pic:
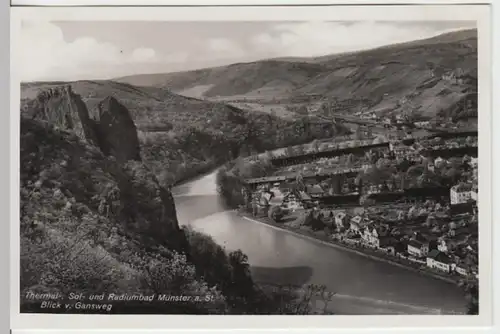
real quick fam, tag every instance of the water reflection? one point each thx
(363, 286)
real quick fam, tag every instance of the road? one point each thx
(363, 286)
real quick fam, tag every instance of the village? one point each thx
(412, 201)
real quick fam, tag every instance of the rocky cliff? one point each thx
(95, 161)
(63, 109)
(110, 128)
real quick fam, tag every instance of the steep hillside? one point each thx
(179, 136)
(393, 78)
(236, 79)
(95, 220)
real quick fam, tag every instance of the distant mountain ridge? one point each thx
(388, 76)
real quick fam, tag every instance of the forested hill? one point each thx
(180, 136)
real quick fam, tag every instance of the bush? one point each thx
(276, 213)
(229, 273)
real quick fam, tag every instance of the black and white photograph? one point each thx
(246, 167)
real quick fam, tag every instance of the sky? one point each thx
(78, 50)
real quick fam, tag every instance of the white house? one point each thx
(422, 124)
(340, 219)
(438, 162)
(370, 237)
(473, 193)
(438, 260)
(417, 248)
(473, 162)
(460, 269)
(355, 224)
(442, 245)
(460, 193)
(292, 202)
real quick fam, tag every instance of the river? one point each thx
(362, 285)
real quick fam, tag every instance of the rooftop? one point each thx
(415, 243)
(315, 189)
(357, 219)
(462, 187)
(439, 257)
(304, 196)
(340, 215)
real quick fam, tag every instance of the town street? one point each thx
(363, 286)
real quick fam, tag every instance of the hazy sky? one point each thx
(74, 50)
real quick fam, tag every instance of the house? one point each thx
(387, 243)
(439, 162)
(445, 244)
(460, 193)
(304, 198)
(315, 191)
(401, 151)
(355, 224)
(422, 124)
(473, 192)
(372, 236)
(340, 219)
(438, 260)
(450, 76)
(292, 201)
(417, 248)
(374, 189)
(461, 268)
(430, 165)
(278, 198)
(473, 162)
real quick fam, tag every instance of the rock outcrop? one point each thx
(100, 166)
(63, 109)
(111, 128)
(128, 195)
(116, 131)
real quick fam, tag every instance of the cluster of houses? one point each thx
(443, 248)
(436, 253)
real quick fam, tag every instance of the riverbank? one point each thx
(344, 247)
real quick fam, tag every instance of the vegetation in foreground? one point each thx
(94, 224)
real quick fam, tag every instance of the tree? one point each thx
(452, 175)
(350, 160)
(299, 150)
(471, 289)
(430, 221)
(366, 201)
(299, 179)
(470, 141)
(359, 133)
(315, 145)
(269, 155)
(276, 213)
(290, 151)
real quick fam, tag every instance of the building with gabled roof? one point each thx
(417, 248)
(439, 260)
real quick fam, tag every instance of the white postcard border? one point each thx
(393, 13)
